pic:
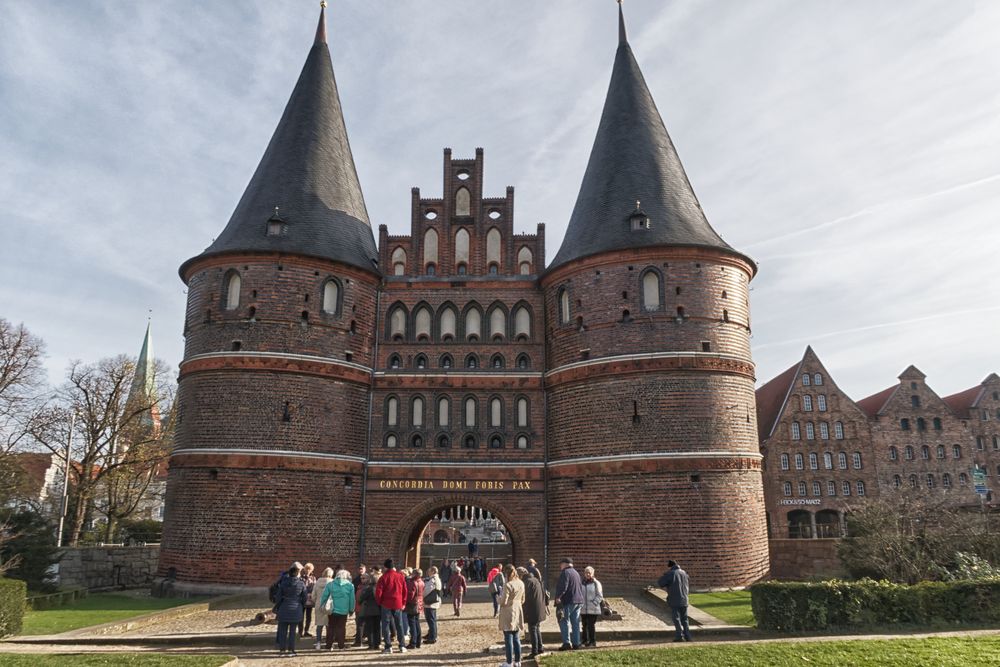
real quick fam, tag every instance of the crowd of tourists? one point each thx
(388, 604)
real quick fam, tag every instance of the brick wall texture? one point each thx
(595, 418)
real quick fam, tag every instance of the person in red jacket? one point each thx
(390, 594)
(458, 587)
(415, 605)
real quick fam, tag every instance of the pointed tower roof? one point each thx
(306, 181)
(144, 381)
(634, 170)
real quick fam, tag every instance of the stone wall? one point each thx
(97, 568)
(803, 559)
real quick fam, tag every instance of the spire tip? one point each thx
(321, 28)
(622, 37)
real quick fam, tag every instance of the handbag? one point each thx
(328, 607)
(605, 608)
(433, 597)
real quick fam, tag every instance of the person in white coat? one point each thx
(433, 594)
(593, 596)
(321, 618)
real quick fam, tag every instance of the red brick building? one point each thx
(601, 407)
(823, 451)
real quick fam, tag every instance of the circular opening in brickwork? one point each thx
(431, 215)
(463, 175)
(494, 214)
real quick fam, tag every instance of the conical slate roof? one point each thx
(633, 160)
(308, 175)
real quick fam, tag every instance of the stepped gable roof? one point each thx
(771, 397)
(306, 179)
(633, 160)
(872, 405)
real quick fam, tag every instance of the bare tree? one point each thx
(22, 384)
(119, 441)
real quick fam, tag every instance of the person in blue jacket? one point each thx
(675, 580)
(289, 607)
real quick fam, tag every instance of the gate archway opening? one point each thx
(440, 531)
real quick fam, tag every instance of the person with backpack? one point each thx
(289, 607)
(432, 602)
(495, 582)
(414, 606)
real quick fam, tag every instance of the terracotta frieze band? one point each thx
(643, 363)
(278, 363)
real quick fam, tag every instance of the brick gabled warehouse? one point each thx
(601, 407)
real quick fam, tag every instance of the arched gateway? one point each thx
(601, 406)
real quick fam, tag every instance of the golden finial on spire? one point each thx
(322, 3)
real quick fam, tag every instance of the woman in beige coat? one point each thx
(321, 616)
(511, 616)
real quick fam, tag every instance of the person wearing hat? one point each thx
(675, 580)
(569, 597)
(390, 593)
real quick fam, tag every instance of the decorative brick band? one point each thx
(651, 253)
(278, 362)
(265, 459)
(654, 361)
(438, 381)
(657, 462)
(225, 260)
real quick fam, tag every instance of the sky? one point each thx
(851, 148)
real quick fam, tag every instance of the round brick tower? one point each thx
(652, 449)
(273, 390)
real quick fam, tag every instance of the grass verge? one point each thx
(112, 660)
(94, 609)
(928, 652)
(730, 606)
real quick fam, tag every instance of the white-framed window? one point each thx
(963, 479)
(807, 403)
(817, 379)
(802, 488)
(893, 454)
(925, 453)
(857, 460)
(331, 297)
(845, 488)
(821, 402)
(799, 462)
(897, 481)
(796, 431)
(842, 460)
(806, 380)
(810, 431)
(817, 489)
(946, 481)
(930, 480)
(831, 488)
(787, 488)
(838, 430)
(784, 461)
(824, 431)
(940, 451)
(956, 451)
(813, 461)
(860, 487)
(828, 461)
(908, 453)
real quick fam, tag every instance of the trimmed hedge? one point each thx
(12, 594)
(803, 607)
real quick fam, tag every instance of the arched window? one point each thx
(417, 441)
(828, 461)
(449, 321)
(522, 324)
(925, 453)
(462, 269)
(392, 411)
(784, 461)
(444, 441)
(799, 462)
(496, 412)
(395, 362)
(444, 410)
(470, 412)
(904, 424)
(817, 489)
(897, 481)
(493, 246)
(963, 479)
(845, 488)
(331, 297)
(860, 486)
(921, 424)
(908, 453)
(802, 488)
(810, 431)
(857, 460)
(956, 452)
(523, 362)
(398, 262)
(522, 412)
(522, 442)
(461, 249)
(930, 480)
(469, 442)
(472, 361)
(796, 431)
(651, 290)
(496, 442)
(786, 488)
(431, 269)
(524, 261)
(842, 460)
(233, 282)
(937, 423)
(430, 248)
(806, 381)
(473, 324)
(422, 323)
(940, 451)
(821, 402)
(397, 323)
(447, 361)
(498, 324)
(390, 440)
(564, 306)
(831, 488)
(913, 481)
(946, 481)
(497, 361)
(893, 454)
(463, 202)
(807, 403)
(914, 401)
(813, 461)
(824, 431)
(838, 430)
(420, 361)
(818, 379)
(417, 412)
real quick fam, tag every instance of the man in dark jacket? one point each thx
(675, 580)
(289, 606)
(569, 597)
(390, 594)
(534, 609)
(359, 622)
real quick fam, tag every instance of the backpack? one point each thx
(272, 592)
(497, 584)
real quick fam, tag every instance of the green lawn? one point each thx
(93, 610)
(931, 652)
(112, 660)
(729, 606)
